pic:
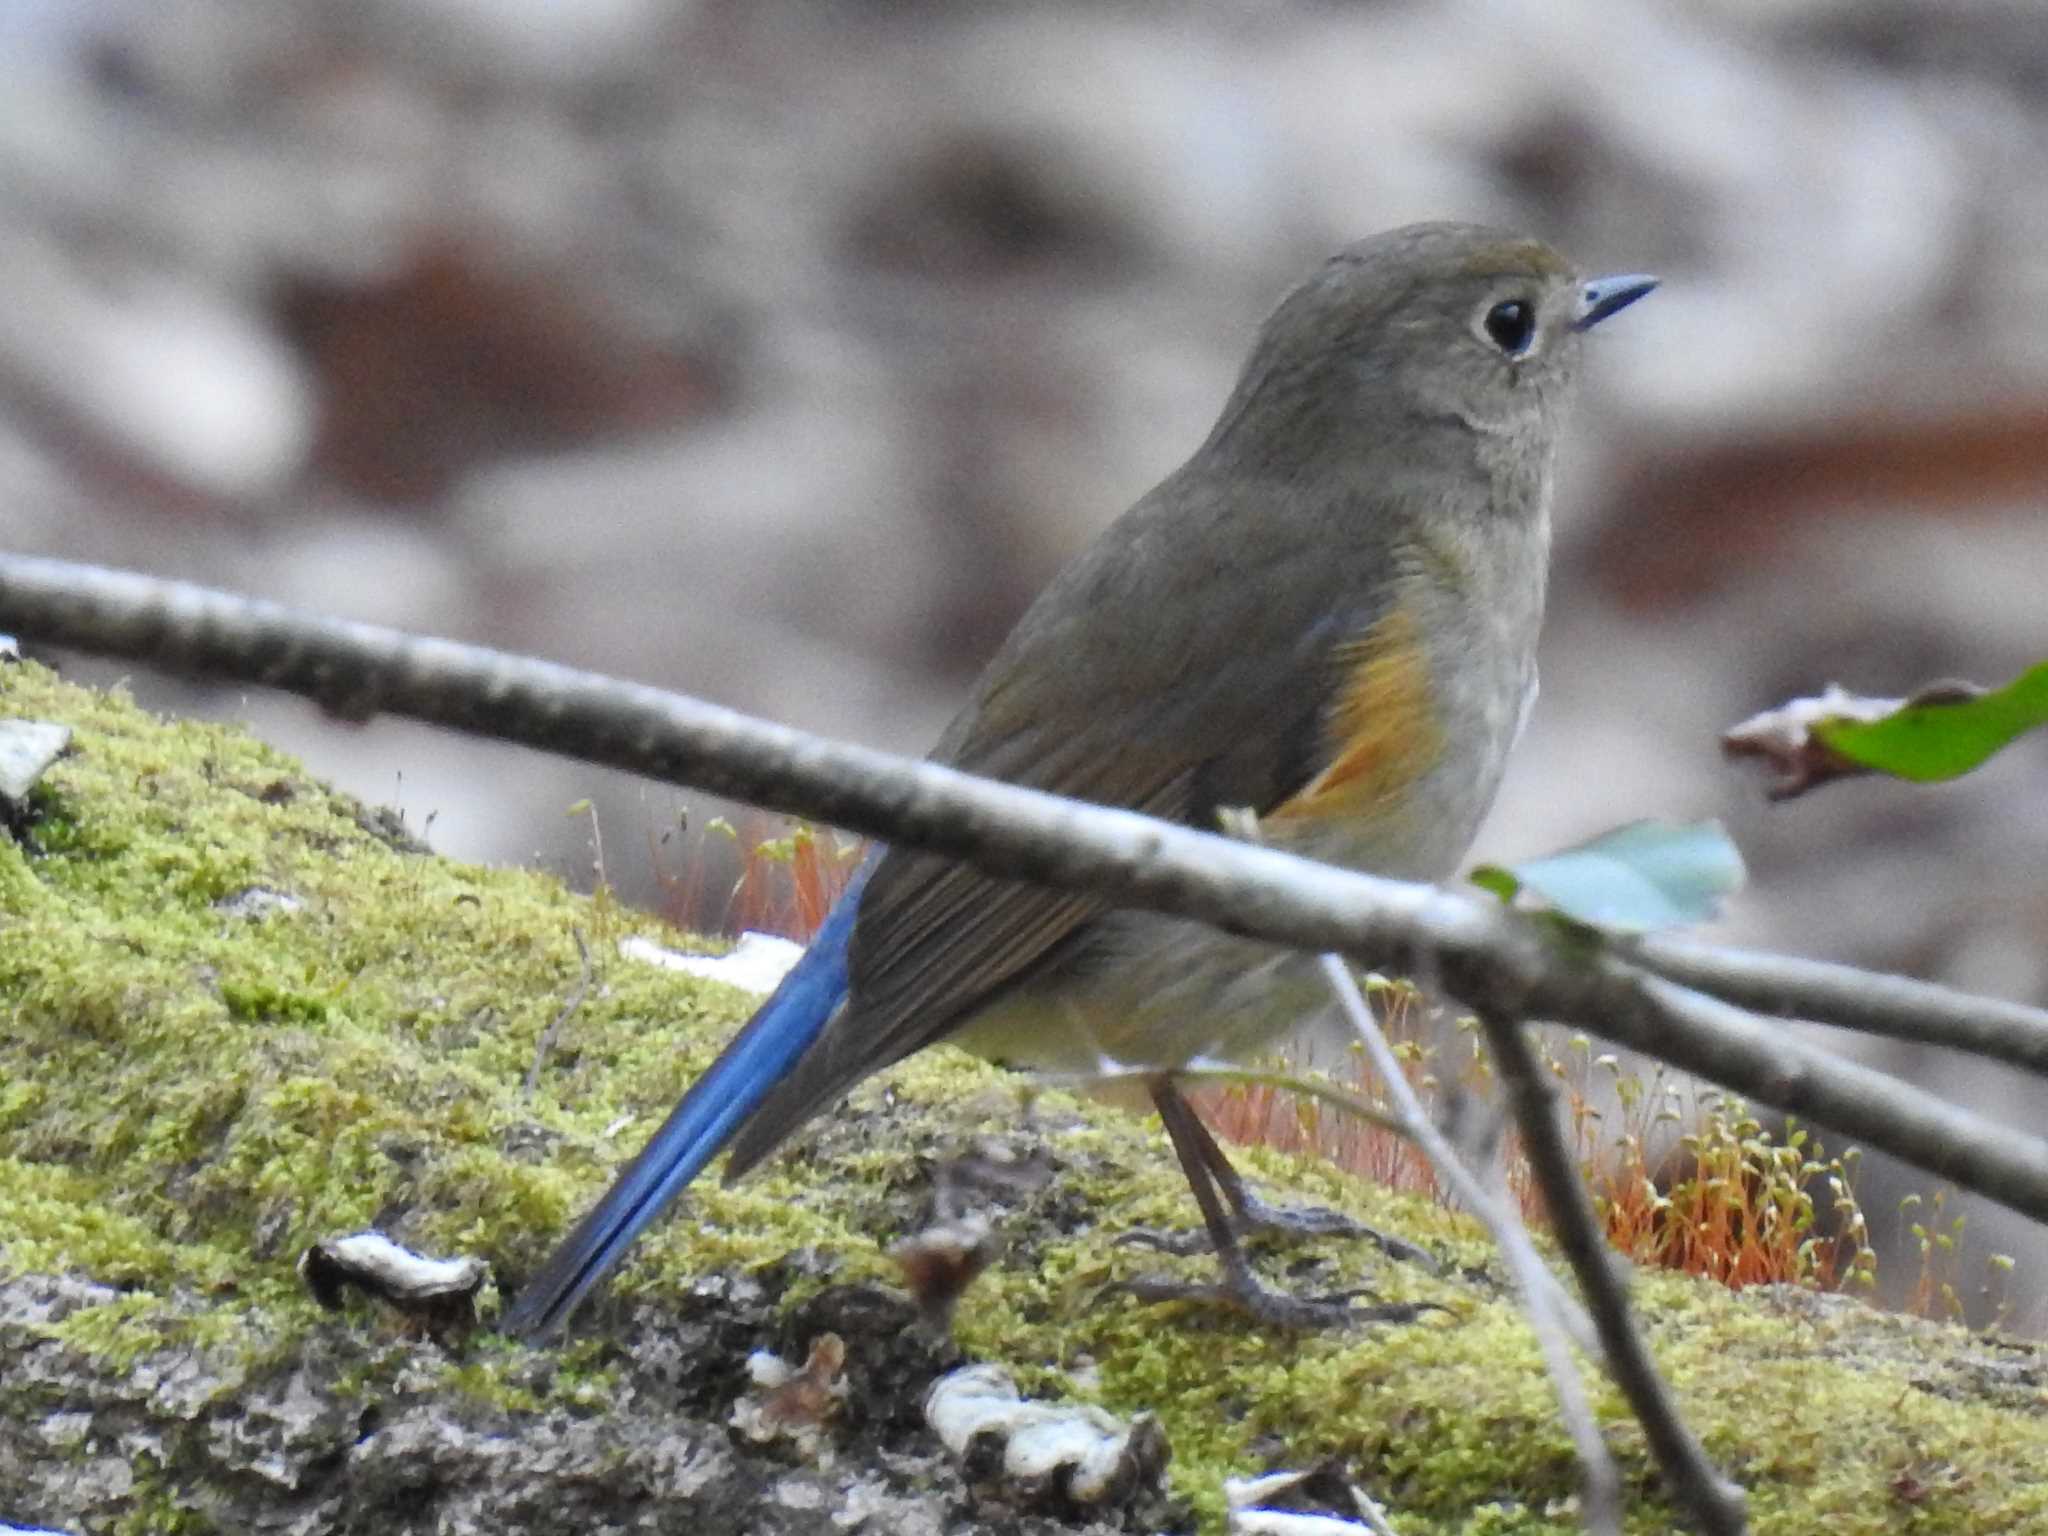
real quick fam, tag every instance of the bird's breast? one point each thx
(1427, 703)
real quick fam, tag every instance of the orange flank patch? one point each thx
(1382, 731)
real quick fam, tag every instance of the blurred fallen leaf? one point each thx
(1941, 732)
(795, 1403)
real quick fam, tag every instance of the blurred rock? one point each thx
(156, 370)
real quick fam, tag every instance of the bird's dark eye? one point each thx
(1512, 325)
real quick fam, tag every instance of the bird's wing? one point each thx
(1176, 696)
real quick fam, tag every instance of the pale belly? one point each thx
(1158, 993)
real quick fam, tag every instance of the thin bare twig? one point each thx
(1553, 1315)
(1498, 1218)
(1895, 1007)
(546, 1042)
(1714, 1504)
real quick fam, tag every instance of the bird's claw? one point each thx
(1278, 1309)
(1254, 1216)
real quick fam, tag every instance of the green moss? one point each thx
(195, 1084)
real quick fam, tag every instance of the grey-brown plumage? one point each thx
(1381, 455)
(1327, 616)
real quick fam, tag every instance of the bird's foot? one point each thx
(1253, 1217)
(1278, 1309)
(1182, 1245)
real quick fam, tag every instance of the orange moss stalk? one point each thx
(790, 874)
(1684, 1179)
(1262, 1114)
(1688, 1179)
(1938, 1239)
(789, 883)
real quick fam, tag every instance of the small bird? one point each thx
(1327, 617)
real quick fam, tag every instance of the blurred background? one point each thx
(779, 352)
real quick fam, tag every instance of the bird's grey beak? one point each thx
(1605, 296)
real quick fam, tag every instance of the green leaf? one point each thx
(1928, 740)
(1646, 875)
(1492, 877)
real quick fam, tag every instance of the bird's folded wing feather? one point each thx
(1191, 703)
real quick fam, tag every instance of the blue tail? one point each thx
(716, 1106)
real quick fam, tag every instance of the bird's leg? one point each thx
(1252, 1215)
(1240, 1287)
